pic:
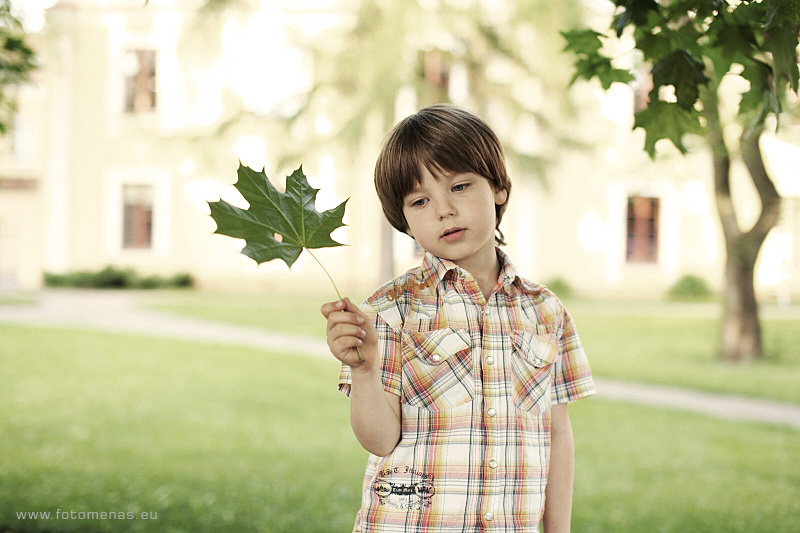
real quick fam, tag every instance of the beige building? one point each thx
(131, 127)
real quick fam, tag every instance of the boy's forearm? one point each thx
(558, 494)
(373, 417)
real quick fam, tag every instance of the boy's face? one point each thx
(454, 217)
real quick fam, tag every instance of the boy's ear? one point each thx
(500, 196)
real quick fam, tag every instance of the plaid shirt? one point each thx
(476, 381)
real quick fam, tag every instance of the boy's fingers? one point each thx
(347, 330)
(335, 319)
(364, 321)
(340, 305)
(349, 305)
(345, 344)
(331, 307)
(353, 308)
(344, 347)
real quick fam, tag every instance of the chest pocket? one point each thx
(532, 366)
(437, 369)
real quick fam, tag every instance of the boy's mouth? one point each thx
(453, 234)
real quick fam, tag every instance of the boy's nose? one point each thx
(445, 209)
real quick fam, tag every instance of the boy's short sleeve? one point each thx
(573, 377)
(388, 351)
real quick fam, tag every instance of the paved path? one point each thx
(121, 311)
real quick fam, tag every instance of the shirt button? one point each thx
(490, 360)
(491, 411)
(492, 464)
(489, 516)
(437, 358)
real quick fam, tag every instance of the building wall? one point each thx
(21, 191)
(573, 227)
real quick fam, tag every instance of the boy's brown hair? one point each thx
(445, 139)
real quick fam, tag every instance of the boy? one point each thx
(461, 396)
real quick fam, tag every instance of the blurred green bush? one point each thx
(560, 287)
(690, 287)
(115, 278)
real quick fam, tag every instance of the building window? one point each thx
(435, 73)
(139, 68)
(137, 223)
(642, 230)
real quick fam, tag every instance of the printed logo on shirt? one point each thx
(412, 286)
(406, 494)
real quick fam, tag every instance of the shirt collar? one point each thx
(508, 272)
(439, 269)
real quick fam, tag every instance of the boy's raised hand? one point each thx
(348, 329)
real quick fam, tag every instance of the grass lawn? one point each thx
(208, 437)
(654, 470)
(213, 438)
(668, 343)
(676, 344)
(292, 313)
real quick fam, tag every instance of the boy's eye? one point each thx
(418, 203)
(460, 187)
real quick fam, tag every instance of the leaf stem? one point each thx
(337, 292)
(326, 272)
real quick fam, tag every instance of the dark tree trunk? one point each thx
(740, 338)
(740, 335)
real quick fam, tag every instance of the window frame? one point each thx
(132, 84)
(160, 181)
(137, 218)
(642, 229)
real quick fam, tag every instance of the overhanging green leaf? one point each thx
(654, 46)
(601, 67)
(582, 41)
(758, 74)
(636, 11)
(732, 38)
(781, 41)
(667, 120)
(681, 70)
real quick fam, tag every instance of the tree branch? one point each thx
(767, 193)
(722, 163)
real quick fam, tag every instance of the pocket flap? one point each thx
(539, 349)
(434, 347)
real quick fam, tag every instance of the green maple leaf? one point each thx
(291, 215)
(586, 45)
(655, 46)
(781, 41)
(684, 72)
(636, 11)
(733, 39)
(761, 99)
(585, 42)
(667, 120)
